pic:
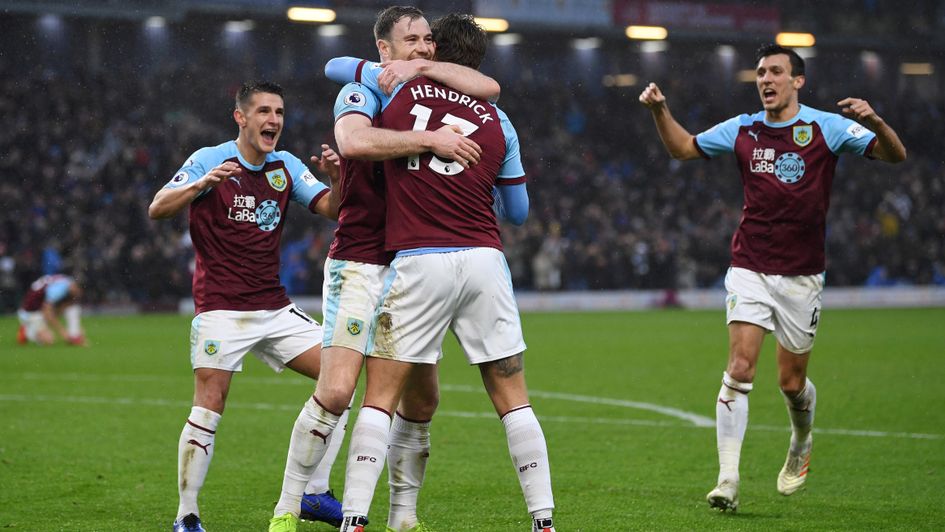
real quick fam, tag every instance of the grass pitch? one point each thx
(88, 437)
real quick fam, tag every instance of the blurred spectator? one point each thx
(85, 149)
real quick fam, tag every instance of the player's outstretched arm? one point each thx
(679, 142)
(170, 201)
(358, 140)
(464, 79)
(888, 146)
(329, 164)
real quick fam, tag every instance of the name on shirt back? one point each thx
(430, 91)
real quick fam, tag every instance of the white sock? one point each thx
(368, 449)
(801, 409)
(407, 455)
(194, 452)
(319, 481)
(530, 458)
(307, 446)
(73, 316)
(731, 420)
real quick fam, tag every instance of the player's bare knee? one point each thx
(792, 384)
(741, 368)
(334, 397)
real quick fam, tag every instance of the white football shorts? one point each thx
(468, 292)
(350, 294)
(32, 322)
(220, 339)
(787, 305)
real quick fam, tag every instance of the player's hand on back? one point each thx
(329, 163)
(449, 143)
(652, 97)
(859, 110)
(397, 72)
(218, 174)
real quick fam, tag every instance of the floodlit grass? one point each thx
(88, 437)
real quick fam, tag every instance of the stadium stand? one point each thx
(86, 144)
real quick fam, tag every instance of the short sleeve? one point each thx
(512, 171)
(305, 186)
(846, 136)
(356, 98)
(720, 138)
(193, 169)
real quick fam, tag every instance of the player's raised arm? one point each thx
(679, 142)
(171, 199)
(462, 78)
(888, 146)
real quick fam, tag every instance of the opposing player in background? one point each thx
(49, 298)
(787, 155)
(356, 266)
(449, 273)
(238, 193)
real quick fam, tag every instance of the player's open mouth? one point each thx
(269, 134)
(768, 95)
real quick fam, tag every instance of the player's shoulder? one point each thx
(811, 115)
(211, 156)
(286, 157)
(749, 119)
(355, 94)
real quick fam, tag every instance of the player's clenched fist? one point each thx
(652, 97)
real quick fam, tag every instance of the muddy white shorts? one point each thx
(467, 291)
(786, 305)
(221, 338)
(350, 294)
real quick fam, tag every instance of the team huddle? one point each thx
(426, 166)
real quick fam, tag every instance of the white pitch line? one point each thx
(695, 419)
(131, 401)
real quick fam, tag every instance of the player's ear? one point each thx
(239, 117)
(383, 47)
(798, 81)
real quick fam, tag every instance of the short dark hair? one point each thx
(388, 17)
(249, 88)
(797, 63)
(459, 39)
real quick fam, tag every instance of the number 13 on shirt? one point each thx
(438, 165)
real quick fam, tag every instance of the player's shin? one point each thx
(731, 420)
(530, 457)
(368, 449)
(319, 481)
(307, 446)
(407, 455)
(194, 453)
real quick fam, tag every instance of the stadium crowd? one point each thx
(85, 150)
